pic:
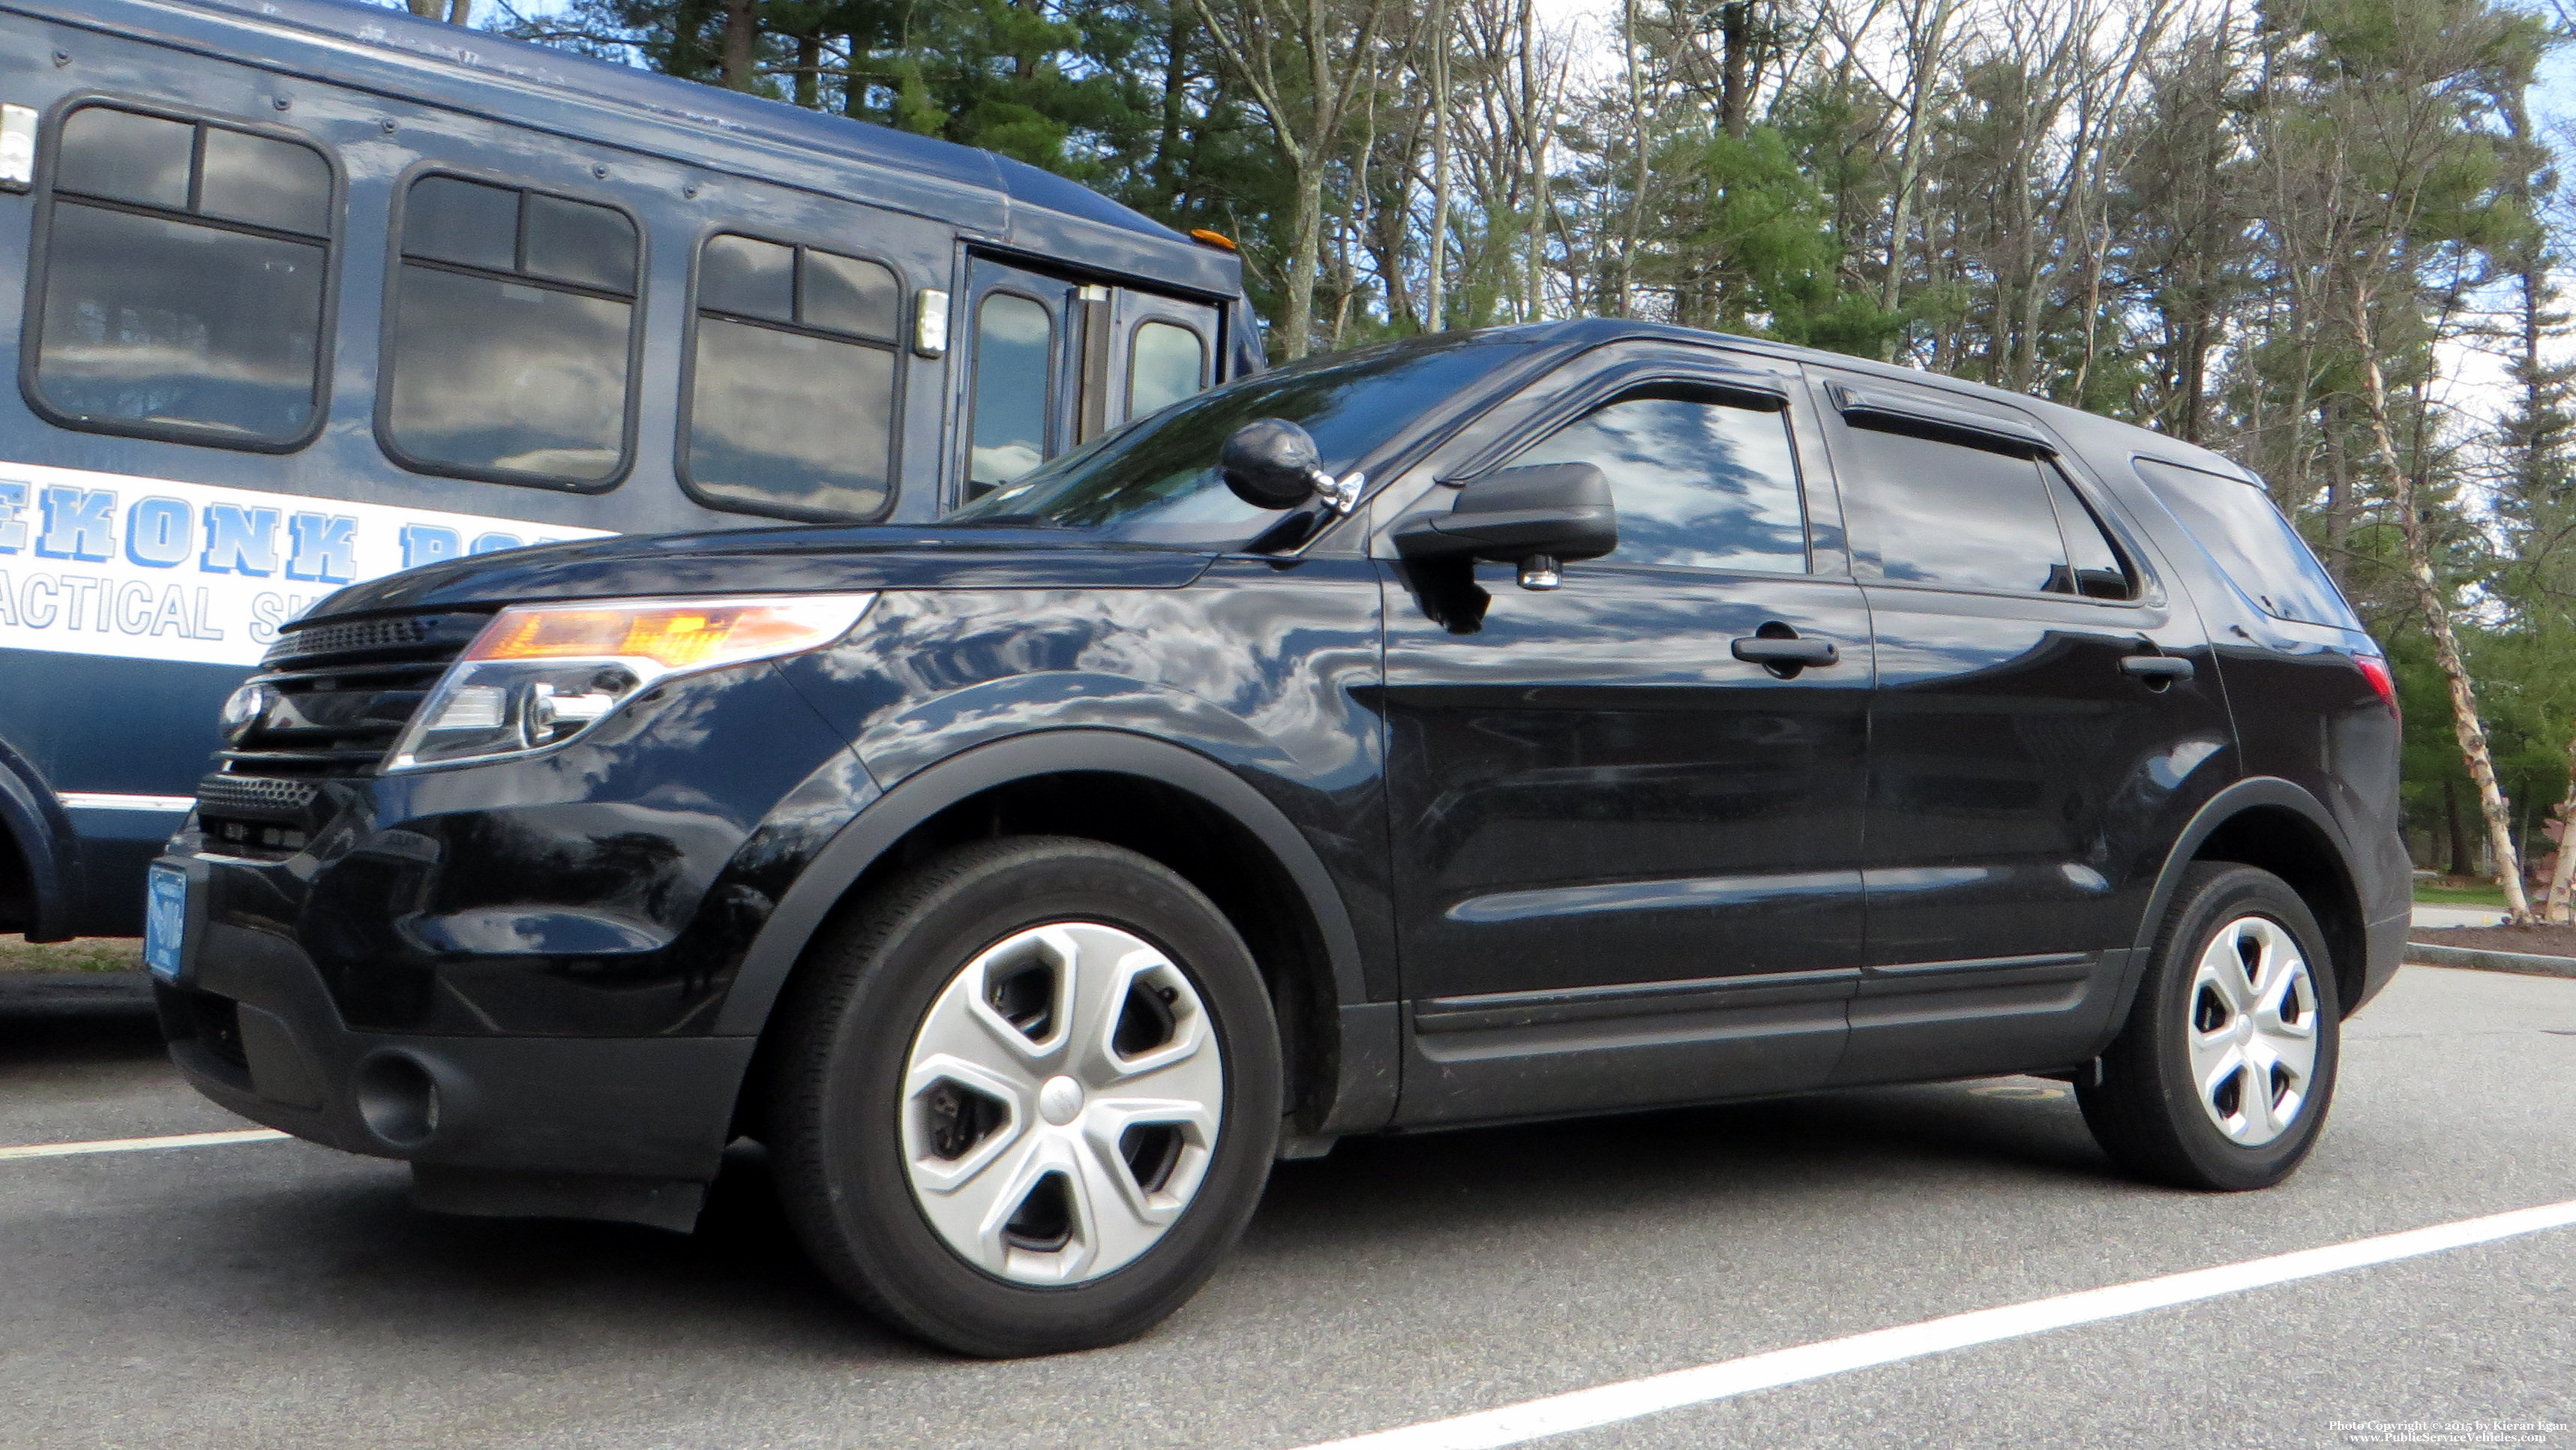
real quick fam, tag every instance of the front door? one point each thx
(1051, 363)
(1626, 860)
(2041, 700)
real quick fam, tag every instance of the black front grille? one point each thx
(250, 797)
(249, 815)
(341, 695)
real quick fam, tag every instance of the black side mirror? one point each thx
(1271, 463)
(1535, 517)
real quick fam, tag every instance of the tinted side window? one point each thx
(513, 322)
(1013, 339)
(1959, 517)
(791, 381)
(2259, 550)
(2099, 570)
(183, 283)
(1699, 482)
(1165, 363)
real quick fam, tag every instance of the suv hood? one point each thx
(800, 560)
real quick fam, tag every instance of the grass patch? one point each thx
(2457, 891)
(88, 954)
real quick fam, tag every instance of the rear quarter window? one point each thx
(2252, 543)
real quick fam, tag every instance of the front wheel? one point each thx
(2223, 1074)
(1028, 1097)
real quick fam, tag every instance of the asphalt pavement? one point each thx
(280, 1294)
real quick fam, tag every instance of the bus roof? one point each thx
(1029, 198)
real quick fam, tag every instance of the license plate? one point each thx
(165, 920)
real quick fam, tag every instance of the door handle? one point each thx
(1762, 649)
(2157, 670)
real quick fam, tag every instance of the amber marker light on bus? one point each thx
(540, 675)
(1214, 239)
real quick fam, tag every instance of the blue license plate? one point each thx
(165, 920)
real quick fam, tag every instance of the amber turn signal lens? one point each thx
(676, 635)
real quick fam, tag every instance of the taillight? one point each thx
(2375, 670)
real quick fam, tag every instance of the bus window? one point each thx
(1013, 338)
(1166, 363)
(791, 381)
(511, 335)
(183, 285)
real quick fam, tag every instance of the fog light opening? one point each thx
(398, 1099)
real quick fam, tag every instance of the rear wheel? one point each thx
(1028, 1096)
(2223, 1075)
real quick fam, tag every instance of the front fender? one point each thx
(930, 789)
(901, 744)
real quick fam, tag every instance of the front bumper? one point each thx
(592, 1127)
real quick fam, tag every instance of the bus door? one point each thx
(1167, 349)
(1051, 363)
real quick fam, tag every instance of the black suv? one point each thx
(1563, 719)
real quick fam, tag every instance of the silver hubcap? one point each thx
(1060, 1103)
(2253, 1030)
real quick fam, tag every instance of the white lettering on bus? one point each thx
(200, 573)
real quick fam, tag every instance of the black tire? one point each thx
(2145, 1109)
(849, 1021)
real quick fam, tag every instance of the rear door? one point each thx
(1051, 362)
(2044, 707)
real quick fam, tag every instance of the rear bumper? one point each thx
(2384, 950)
(587, 1127)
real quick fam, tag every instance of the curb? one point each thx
(73, 994)
(2526, 963)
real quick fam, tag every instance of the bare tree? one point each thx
(1308, 64)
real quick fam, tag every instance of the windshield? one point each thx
(1156, 481)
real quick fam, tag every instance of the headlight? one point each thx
(244, 710)
(540, 674)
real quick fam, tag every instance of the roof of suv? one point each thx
(2089, 429)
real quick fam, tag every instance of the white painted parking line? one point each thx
(1633, 1399)
(138, 1145)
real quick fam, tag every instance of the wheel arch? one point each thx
(2271, 823)
(1170, 804)
(38, 855)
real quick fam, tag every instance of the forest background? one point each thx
(2327, 237)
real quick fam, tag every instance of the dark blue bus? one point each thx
(316, 291)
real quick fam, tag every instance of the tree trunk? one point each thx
(2464, 862)
(1636, 227)
(1305, 251)
(1176, 81)
(741, 29)
(2465, 723)
(1534, 132)
(1909, 168)
(1735, 30)
(1436, 309)
(2559, 902)
(809, 70)
(459, 11)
